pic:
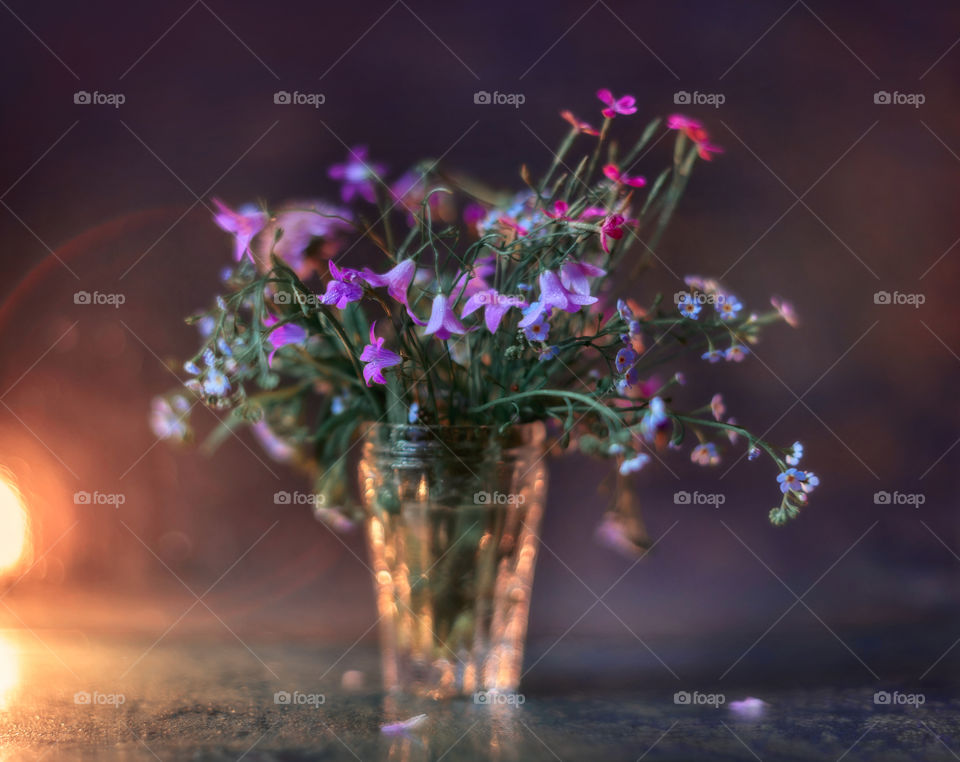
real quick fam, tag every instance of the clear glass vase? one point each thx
(453, 519)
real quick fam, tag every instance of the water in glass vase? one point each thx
(453, 520)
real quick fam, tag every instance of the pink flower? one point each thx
(512, 224)
(288, 333)
(485, 266)
(786, 311)
(410, 191)
(717, 407)
(344, 287)
(706, 150)
(277, 448)
(466, 288)
(750, 708)
(560, 210)
(573, 276)
(443, 320)
(474, 213)
(377, 358)
(307, 226)
(402, 728)
(397, 280)
(579, 126)
(358, 175)
(611, 227)
(681, 122)
(622, 178)
(244, 225)
(554, 294)
(495, 306)
(696, 132)
(624, 105)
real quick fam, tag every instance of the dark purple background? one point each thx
(100, 187)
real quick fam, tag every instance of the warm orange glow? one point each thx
(14, 529)
(9, 670)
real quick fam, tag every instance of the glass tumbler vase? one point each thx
(452, 521)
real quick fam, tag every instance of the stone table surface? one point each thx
(74, 696)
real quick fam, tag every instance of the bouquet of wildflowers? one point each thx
(476, 309)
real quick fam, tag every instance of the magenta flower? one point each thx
(377, 358)
(397, 280)
(706, 149)
(681, 122)
(288, 333)
(358, 175)
(624, 105)
(622, 178)
(560, 211)
(443, 320)
(573, 276)
(554, 294)
(243, 224)
(344, 287)
(579, 126)
(474, 213)
(495, 306)
(696, 132)
(611, 227)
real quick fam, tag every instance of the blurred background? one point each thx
(825, 195)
